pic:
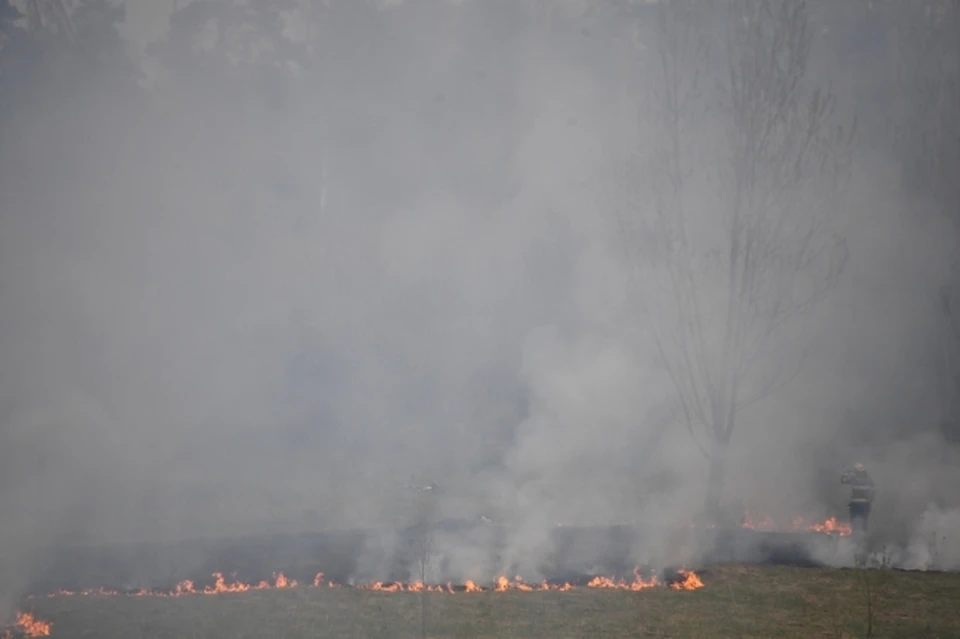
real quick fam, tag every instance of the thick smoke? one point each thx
(258, 298)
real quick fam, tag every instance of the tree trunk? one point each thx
(718, 459)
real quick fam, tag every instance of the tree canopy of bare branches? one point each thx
(727, 205)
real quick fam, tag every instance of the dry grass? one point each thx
(738, 601)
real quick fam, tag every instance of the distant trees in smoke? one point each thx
(49, 15)
(52, 51)
(729, 205)
(286, 114)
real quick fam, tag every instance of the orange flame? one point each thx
(30, 626)
(502, 584)
(638, 583)
(798, 524)
(220, 586)
(282, 582)
(690, 581)
(416, 586)
(831, 525)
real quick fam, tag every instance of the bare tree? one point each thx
(421, 513)
(423, 541)
(726, 208)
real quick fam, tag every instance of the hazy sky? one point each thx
(147, 19)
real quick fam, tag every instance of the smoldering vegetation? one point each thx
(263, 273)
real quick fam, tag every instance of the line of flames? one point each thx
(689, 581)
(797, 524)
(829, 526)
(30, 626)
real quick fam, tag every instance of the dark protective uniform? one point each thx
(861, 497)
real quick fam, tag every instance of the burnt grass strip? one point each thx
(737, 601)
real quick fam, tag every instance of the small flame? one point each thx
(220, 586)
(829, 526)
(638, 583)
(101, 592)
(690, 581)
(30, 626)
(503, 584)
(282, 582)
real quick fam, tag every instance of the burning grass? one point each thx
(678, 580)
(737, 601)
(27, 625)
(830, 525)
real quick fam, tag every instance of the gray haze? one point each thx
(234, 303)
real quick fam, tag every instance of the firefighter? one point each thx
(861, 496)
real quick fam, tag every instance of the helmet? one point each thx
(858, 466)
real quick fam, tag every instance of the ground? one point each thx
(737, 601)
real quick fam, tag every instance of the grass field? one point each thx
(738, 601)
